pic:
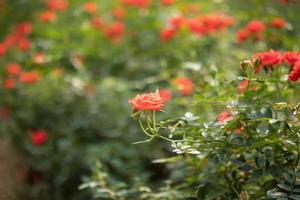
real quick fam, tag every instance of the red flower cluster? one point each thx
(18, 38)
(254, 29)
(14, 73)
(210, 23)
(147, 101)
(184, 85)
(271, 58)
(137, 3)
(12, 70)
(38, 137)
(201, 25)
(29, 77)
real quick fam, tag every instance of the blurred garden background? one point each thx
(228, 130)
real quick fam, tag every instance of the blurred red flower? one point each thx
(97, 22)
(9, 84)
(90, 7)
(2, 49)
(38, 137)
(147, 101)
(29, 77)
(115, 31)
(119, 13)
(184, 85)
(60, 5)
(13, 69)
(242, 35)
(195, 26)
(167, 2)
(137, 3)
(165, 94)
(224, 117)
(167, 34)
(256, 26)
(278, 23)
(177, 21)
(24, 28)
(47, 16)
(291, 57)
(295, 73)
(24, 44)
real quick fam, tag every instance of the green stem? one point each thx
(143, 129)
(154, 121)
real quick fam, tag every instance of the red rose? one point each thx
(119, 13)
(9, 84)
(295, 73)
(244, 85)
(2, 49)
(97, 22)
(47, 16)
(38, 137)
(255, 26)
(242, 35)
(167, 34)
(10, 40)
(29, 77)
(291, 57)
(24, 28)
(278, 23)
(224, 117)
(115, 31)
(60, 5)
(195, 26)
(165, 94)
(24, 44)
(177, 21)
(90, 7)
(268, 59)
(13, 69)
(147, 101)
(184, 85)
